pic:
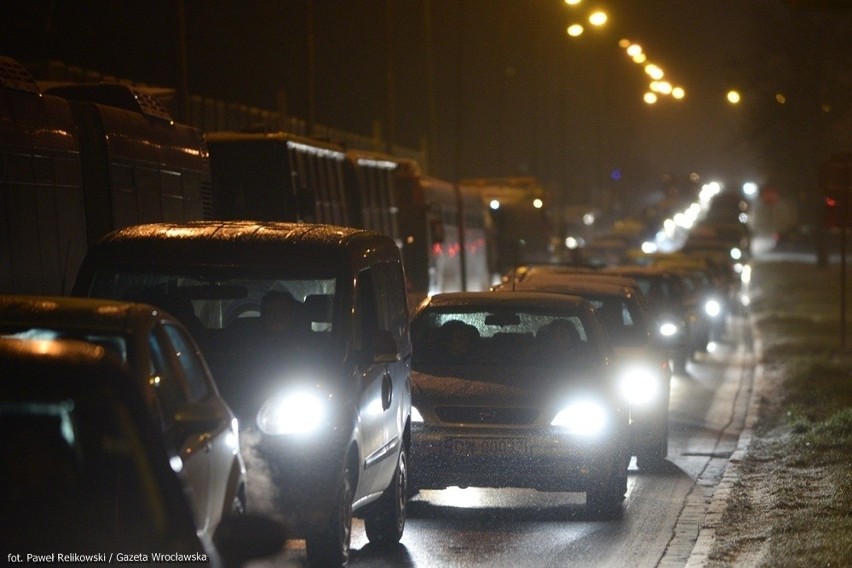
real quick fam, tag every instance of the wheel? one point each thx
(330, 545)
(653, 456)
(385, 524)
(603, 501)
(650, 458)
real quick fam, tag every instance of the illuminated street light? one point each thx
(575, 30)
(654, 71)
(598, 18)
(650, 98)
(678, 92)
(633, 49)
(662, 87)
(733, 97)
(572, 2)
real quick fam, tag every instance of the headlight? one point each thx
(668, 329)
(583, 418)
(712, 308)
(297, 413)
(415, 415)
(638, 385)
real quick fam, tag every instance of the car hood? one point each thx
(523, 386)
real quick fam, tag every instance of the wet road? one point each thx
(662, 513)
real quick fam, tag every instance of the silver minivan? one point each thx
(325, 395)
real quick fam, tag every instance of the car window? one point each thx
(167, 386)
(366, 316)
(75, 473)
(192, 365)
(391, 303)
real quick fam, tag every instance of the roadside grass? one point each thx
(792, 505)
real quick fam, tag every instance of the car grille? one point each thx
(487, 415)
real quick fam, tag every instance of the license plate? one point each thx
(488, 447)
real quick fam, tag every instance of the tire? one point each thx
(603, 501)
(650, 459)
(330, 546)
(653, 456)
(386, 523)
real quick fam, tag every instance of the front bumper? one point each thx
(541, 459)
(305, 477)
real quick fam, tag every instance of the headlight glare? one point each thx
(582, 418)
(668, 329)
(638, 386)
(713, 308)
(297, 413)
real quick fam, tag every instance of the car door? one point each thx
(377, 401)
(193, 448)
(212, 420)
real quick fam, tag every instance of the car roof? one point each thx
(500, 298)
(637, 270)
(224, 243)
(75, 313)
(590, 278)
(584, 288)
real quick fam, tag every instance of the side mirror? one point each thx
(385, 349)
(240, 538)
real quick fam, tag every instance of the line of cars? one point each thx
(325, 404)
(352, 404)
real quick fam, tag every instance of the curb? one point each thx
(700, 554)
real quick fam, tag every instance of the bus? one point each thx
(445, 234)
(278, 176)
(78, 161)
(439, 227)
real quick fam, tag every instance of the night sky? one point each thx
(502, 91)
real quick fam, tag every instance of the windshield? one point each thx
(219, 302)
(508, 338)
(113, 342)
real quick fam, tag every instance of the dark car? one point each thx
(166, 364)
(667, 302)
(517, 389)
(86, 476)
(645, 378)
(306, 330)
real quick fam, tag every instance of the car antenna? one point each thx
(518, 243)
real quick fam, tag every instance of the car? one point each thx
(517, 389)
(87, 476)
(667, 301)
(166, 363)
(646, 373)
(325, 395)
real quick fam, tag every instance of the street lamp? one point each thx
(598, 18)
